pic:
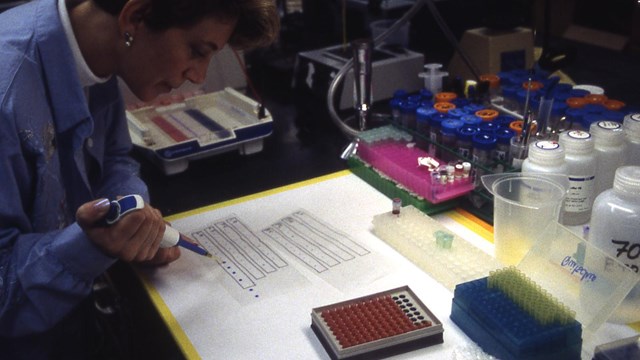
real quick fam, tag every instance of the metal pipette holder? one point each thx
(362, 68)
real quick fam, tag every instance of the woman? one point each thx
(64, 144)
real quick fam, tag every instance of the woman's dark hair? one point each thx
(258, 22)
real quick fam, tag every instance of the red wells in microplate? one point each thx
(386, 323)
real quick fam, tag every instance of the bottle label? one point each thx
(628, 252)
(547, 144)
(580, 195)
(464, 152)
(579, 134)
(609, 125)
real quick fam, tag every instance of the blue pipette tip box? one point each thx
(503, 329)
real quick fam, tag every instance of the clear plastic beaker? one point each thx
(524, 204)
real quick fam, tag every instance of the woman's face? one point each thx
(158, 62)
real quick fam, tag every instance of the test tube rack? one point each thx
(419, 238)
(390, 188)
(381, 324)
(390, 151)
(510, 317)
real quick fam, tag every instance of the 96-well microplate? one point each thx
(386, 323)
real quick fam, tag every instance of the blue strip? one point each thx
(208, 122)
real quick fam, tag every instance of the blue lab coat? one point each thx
(56, 152)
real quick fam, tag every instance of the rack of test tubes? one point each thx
(446, 257)
(492, 129)
(203, 125)
(391, 152)
(385, 323)
(390, 188)
(511, 317)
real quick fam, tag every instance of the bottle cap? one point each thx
(548, 151)
(504, 135)
(492, 79)
(474, 120)
(457, 112)
(445, 96)
(503, 121)
(607, 133)
(450, 126)
(631, 126)
(424, 113)
(437, 118)
(627, 179)
(483, 141)
(487, 126)
(466, 132)
(444, 106)
(409, 106)
(577, 142)
(487, 114)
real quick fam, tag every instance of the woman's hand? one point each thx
(136, 237)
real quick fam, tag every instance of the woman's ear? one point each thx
(132, 15)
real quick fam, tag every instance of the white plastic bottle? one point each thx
(609, 151)
(615, 225)
(545, 156)
(581, 164)
(631, 128)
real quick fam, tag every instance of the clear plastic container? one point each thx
(631, 128)
(609, 151)
(408, 114)
(615, 226)
(522, 204)
(463, 143)
(423, 116)
(482, 152)
(581, 163)
(545, 156)
(434, 133)
(448, 130)
(503, 147)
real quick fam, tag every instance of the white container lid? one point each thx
(593, 89)
(548, 151)
(608, 133)
(627, 179)
(577, 142)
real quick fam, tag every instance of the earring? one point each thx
(128, 39)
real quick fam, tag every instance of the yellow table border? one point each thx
(472, 223)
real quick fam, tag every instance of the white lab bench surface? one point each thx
(255, 300)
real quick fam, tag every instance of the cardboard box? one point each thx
(492, 51)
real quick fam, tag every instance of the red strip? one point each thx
(169, 129)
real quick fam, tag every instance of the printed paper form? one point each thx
(258, 262)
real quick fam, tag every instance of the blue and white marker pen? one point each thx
(172, 237)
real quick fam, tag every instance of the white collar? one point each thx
(86, 76)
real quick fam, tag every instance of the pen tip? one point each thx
(208, 255)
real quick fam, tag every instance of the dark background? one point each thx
(306, 144)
